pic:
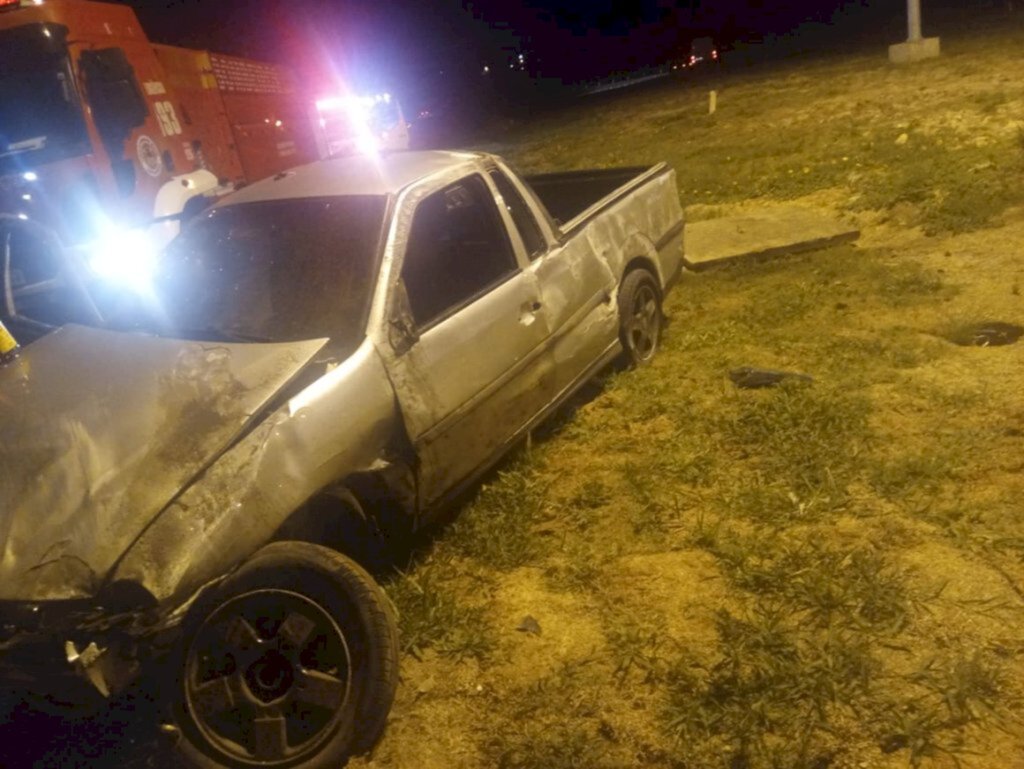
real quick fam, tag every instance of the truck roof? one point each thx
(385, 174)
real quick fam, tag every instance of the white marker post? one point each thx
(917, 47)
(913, 21)
(712, 102)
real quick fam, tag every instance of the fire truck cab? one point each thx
(98, 126)
(93, 116)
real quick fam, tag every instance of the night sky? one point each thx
(421, 47)
(387, 39)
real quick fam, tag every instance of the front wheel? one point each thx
(640, 317)
(293, 663)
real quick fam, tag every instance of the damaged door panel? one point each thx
(477, 371)
(576, 288)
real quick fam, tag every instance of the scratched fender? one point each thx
(338, 425)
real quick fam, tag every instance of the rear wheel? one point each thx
(640, 317)
(294, 663)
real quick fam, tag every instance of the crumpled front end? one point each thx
(341, 423)
(72, 653)
(99, 431)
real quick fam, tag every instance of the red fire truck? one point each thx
(102, 130)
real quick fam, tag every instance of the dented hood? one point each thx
(99, 430)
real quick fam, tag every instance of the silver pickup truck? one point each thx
(325, 358)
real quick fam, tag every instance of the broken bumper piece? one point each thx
(62, 653)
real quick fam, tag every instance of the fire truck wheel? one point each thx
(293, 663)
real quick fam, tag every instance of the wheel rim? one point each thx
(267, 678)
(644, 323)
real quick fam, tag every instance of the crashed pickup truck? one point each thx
(322, 360)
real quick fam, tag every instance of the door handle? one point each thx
(528, 312)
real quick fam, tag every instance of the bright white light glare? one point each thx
(30, 176)
(125, 257)
(23, 217)
(26, 196)
(354, 105)
(366, 143)
(358, 112)
(278, 124)
(330, 104)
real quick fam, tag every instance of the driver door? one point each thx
(479, 368)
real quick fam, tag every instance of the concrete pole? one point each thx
(916, 47)
(913, 20)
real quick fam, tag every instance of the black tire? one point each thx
(640, 317)
(293, 662)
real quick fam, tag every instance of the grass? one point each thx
(824, 574)
(768, 691)
(577, 566)
(495, 528)
(881, 152)
(555, 728)
(808, 438)
(434, 615)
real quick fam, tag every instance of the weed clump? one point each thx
(433, 615)
(768, 692)
(496, 528)
(943, 697)
(551, 726)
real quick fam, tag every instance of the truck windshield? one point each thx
(279, 270)
(40, 119)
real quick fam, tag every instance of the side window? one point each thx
(457, 248)
(521, 214)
